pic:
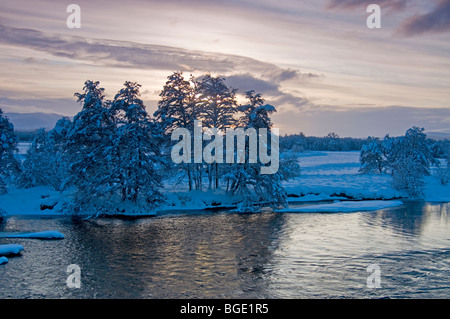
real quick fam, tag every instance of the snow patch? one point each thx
(10, 249)
(325, 176)
(48, 234)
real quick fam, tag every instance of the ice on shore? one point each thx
(344, 206)
(325, 176)
(10, 249)
(48, 234)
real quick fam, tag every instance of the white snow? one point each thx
(344, 206)
(28, 201)
(435, 191)
(48, 234)
(10, 249)
(330, 174)
(325, 176)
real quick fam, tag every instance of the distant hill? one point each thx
(438, 135)
(33, 121)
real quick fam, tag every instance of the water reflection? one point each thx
(327, 255)
(226, 255)
(208, 255)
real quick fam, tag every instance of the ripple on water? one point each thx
(227, 255)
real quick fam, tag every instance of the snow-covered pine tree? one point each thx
(91, 133)
(413, 144)
(58, 137)
(373, 157)
(9, 166)
(333, 142)
(218, 105)
(45, 162)
(444, 173)
(245, 179)
(410, 157)
(407, 174)
(255, 113)
(218, 102)
(179, 108)
(134, 154)
(447, 157)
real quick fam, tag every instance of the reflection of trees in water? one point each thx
(411, 218)
(205, 255)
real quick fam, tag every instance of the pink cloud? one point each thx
(435, 21)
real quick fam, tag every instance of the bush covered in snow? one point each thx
(9, 166)
(407, 158)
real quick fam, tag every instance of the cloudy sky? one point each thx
(316, 61)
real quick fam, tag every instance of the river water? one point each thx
(228, 255)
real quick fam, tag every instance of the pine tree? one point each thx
(256, 114)
(410, 157)
(91, 133)
(414, 145)
(217, 102)
(444, 172)
(45, 162)
(37, 166)
(9, 166)
(245, 179)
(373, 157)
(218, 105)
(134, 154)
(407, 174)
(179, 108)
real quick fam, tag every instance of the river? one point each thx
(219, 254)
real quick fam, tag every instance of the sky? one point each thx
(316, 61)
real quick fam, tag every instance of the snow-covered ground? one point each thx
(325, 176)
(10, 249)
(46, 234)
(334, 175)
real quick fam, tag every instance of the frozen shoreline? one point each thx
(326, 176)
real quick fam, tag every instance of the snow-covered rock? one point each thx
(48, 234)
(10, 249)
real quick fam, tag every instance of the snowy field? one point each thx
(334, 175)
(325, 176)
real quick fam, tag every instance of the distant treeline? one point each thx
(299, 142)
(333, 142)
(27, 136)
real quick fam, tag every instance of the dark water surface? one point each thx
(227, 255)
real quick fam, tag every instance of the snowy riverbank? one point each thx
(334, 175)
(325, 176)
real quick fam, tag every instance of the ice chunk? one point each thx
(48, 234)
(10, 249)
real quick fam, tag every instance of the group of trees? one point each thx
(331, 142)
(115, 154)
(110, 152)
(208, 99)
(407, 158)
